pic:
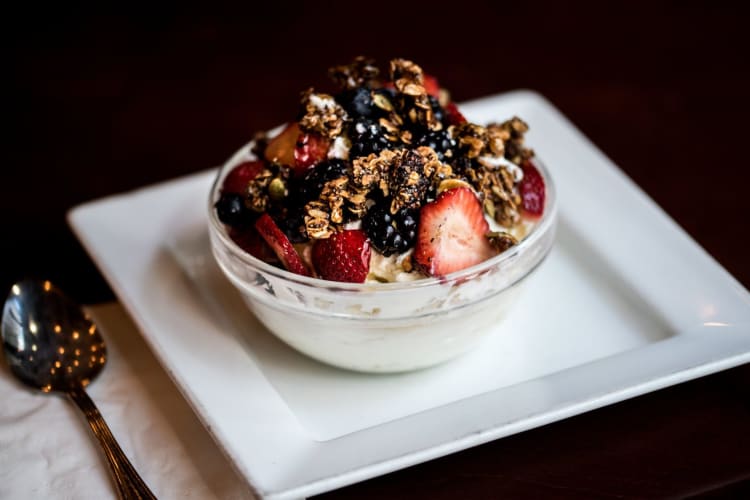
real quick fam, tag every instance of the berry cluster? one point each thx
(394, 156)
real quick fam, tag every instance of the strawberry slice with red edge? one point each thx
(280, 149)
(452, 233)
(240, 176)
(249, 240)
(344, 256)
(453, 115)
(309, 150)
(532, 189)
(280, 245)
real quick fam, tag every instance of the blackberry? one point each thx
(291, 221)
(367, 137)
(439, 140)
(312, 184)
(438, 111)
(232, 211)
(391, 233)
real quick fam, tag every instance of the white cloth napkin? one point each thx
(48, 451)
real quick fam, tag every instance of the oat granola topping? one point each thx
(372, 171)
(413, 174)
(317, 220)
(357, 74)
(257, 191)
(406, 175)
(408, 79)
(322, 114)
(474, 140)
(385, 149)
(511, 132)
(497, 188)
(267, 187)
(502, 240)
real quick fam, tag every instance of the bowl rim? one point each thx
(217, 228)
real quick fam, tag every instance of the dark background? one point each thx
(98, 103)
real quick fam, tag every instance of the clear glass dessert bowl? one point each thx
(382, 327)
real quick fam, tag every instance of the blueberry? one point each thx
(357, 102)
(232, 211)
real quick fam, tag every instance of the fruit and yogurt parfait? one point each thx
(380, 230)
(383, 180)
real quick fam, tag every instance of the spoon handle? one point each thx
(128, 481)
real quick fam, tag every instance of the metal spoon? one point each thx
(51, 345)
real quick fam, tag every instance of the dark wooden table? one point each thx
(99, 104)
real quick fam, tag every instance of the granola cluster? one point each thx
(406, 176)
(512, 133)
(322, 115)
(361, 72)
(407, 170)
(408, 79)
(268, 187)
(497, 187)
(475, 140)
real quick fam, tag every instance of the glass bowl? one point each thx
(382, 327)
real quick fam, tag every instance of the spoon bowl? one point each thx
(50, 344)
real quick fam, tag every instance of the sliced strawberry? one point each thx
(249, 240)
(344, 256)
(452, 233)
(240, 176)
(453, 115)
(281, 245)
(280, 149)
(532, 190)
(310, 149)
(431, 85)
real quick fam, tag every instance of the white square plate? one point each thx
(625, 304)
